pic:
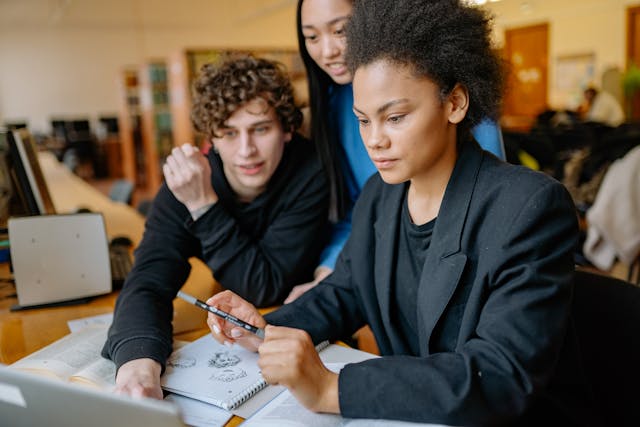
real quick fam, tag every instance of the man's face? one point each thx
(251, 144)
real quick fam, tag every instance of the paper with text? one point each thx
(286, 411)
(76, 325)
(75, 357)
(199, 414)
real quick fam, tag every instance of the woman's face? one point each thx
(408, 130)
(323, 23)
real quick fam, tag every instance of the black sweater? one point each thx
(259, 250)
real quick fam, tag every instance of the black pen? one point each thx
(226, 316)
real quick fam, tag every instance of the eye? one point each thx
(229, 133)
(339, 31)
(396, 119)
(363, 122)
(261, 129)
(310, 38)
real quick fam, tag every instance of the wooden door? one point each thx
(527, 51)
(633, 52)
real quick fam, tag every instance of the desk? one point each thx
(70, 192)
(24, 332)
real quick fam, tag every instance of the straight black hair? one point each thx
(325, 139)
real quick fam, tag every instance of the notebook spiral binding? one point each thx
(239, 399)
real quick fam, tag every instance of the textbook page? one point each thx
(285, 411)
(76, 325)
(199, 414)
(75, 357)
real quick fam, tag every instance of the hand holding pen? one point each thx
(236, 320)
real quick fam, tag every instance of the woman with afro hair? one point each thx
(334, 129)
(461, 264)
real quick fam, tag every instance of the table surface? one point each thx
(26, 331)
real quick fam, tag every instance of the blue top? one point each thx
(357, 166)
(489, 136)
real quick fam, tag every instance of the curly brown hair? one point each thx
(220, 89)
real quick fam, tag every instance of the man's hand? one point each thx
(320, 273)
(227, 333)
(139, 378)
(188, 176)
(289, 358)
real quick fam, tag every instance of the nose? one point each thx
(247, 147)
(374, 138)
(330, 47)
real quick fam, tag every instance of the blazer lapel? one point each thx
(445, 263)
(386, 229)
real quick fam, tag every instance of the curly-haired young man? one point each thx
(252, 210)
(461, 264)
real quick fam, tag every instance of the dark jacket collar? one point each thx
(439, 278)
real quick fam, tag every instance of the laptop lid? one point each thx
(59, 258)
(28, 400)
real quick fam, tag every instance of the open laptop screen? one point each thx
(28, 400)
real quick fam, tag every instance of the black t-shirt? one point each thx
(411, 252)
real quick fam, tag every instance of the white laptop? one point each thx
(28, 400)
(58, 258)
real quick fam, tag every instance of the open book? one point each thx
(75, 357)
(208, 371)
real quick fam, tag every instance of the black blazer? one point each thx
(493, 300)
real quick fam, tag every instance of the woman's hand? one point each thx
(139, 378)
(188, 176)
(227, 333)
(289, 358)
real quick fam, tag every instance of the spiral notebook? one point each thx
(208, 371)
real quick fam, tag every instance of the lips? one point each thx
(383, 163)
(251, 168)
(337, 68)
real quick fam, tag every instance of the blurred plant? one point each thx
(631, 87)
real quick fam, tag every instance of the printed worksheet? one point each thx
(199, 414)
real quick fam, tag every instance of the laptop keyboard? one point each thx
(121, 263)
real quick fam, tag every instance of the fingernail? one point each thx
(228, 344)
(235, 333)
(216, 329)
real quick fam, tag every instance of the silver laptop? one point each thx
(30, 400)
(59, 258)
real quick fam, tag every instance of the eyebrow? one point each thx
(252, 125)
(330, 23)
(386, 106)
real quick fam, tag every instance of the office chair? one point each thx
(606, 314)
(121, 191)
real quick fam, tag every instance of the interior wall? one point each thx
(59, 70)
(576, 27)
(69, 67)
